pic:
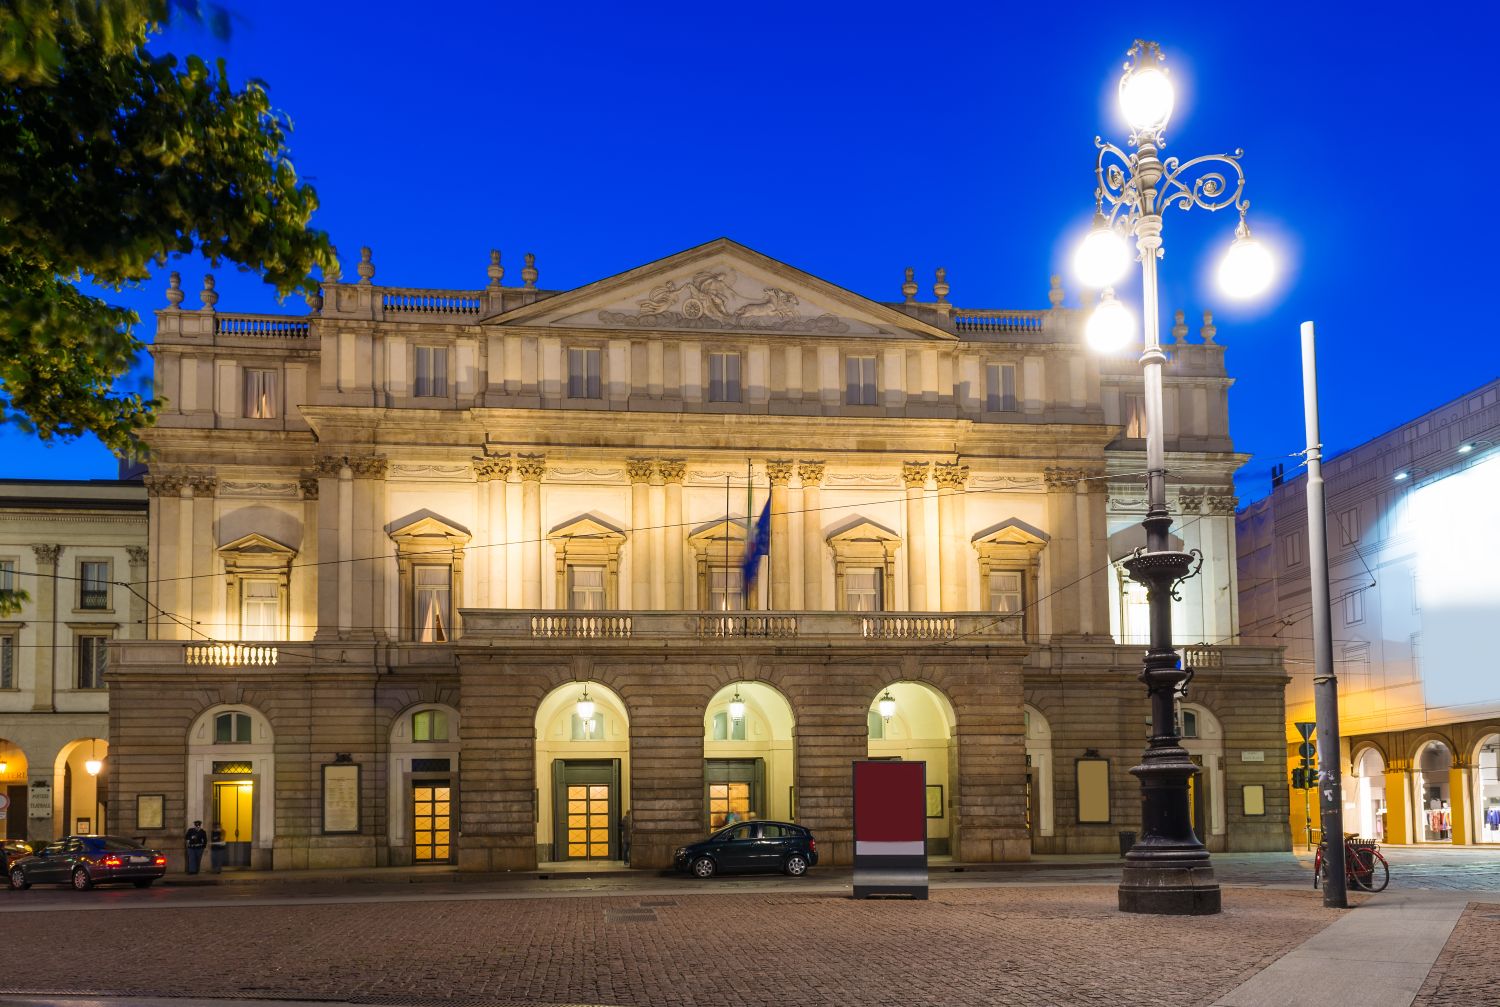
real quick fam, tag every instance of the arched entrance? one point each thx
(1203, 737)
(80, 788)
(13, 773)
(1038, 774)
(582, 773)
(1434, 798)
(913, 721)
(1487, 789)
(748, 763)
(423, 798)
(231, 781)
(1369, 794)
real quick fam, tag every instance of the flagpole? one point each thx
(749, 531)
(725, 593)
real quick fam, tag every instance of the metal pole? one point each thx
(1325, 682)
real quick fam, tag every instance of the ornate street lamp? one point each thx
(887, 706)
(93, 764)
(585, 710)
(1167, 870)
(736, 706)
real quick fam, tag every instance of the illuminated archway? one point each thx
(582, 773)
(231, 781)
(1039, 771)
(14, 767)
(1486, 763)
(1434, 810)
(80, 798)
(423, 795)
(748, 761)
(1203, 737)
(1369, 793)
(921, 728)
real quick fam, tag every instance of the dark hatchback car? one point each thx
(13, 850)
(751, 846)
(86, 861)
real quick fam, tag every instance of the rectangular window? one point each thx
(1356, 658)
(429, 725)
(260, 394)
(725, 589)
(1133, 414)
(1416, 654)
(93, 585)
(724, 377)
(585, 588)
(1291, 548)
(431, 371)
(7, 575)
(1005, 591)
(260, 609)
(862, 589)
(859, 381)
(1354, 608)
(1000, 396)
(583, 373)
(93, 661)
(8, 661)
(433, 597)
(1349, 527)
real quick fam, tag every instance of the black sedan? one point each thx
(751, 846)
(13, 850)
(86, 861)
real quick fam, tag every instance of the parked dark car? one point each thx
(751, 846)
(13, 850)
(86, 861)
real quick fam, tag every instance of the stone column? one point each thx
(1397, 803)
(674, 535)
(302, 599)
(493, 474)
(163, 513)
(1222, 565)
(914, 474)
(1090, 502)
(1460, 800)
(531, 468)
(200, 604)
(1061, 554)
(47, 594)
(780, 473)
(640, 470)
(331, 534)
(657, 514)
(951, 478)
(813, 546)
(135, 629)
(346, 548)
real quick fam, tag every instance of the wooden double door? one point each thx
(586, 809)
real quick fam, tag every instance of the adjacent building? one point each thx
(457, 575)
(1414, 568)
(78, 551)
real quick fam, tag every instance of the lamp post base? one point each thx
(1168, 887)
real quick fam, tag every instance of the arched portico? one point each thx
(915, 722)
(231, 781)
(1486, 789)
(1203, 737)
(1039, 768)
(582, 772)
(423, 780)
(14, 767)
(749, 744)
(80, 787)
(1435, 799)
(1368, 784)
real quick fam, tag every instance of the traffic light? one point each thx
(1305, 776)
(1299, 778)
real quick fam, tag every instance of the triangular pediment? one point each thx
(1012, 531)
(428, 530)
(863, 530)
(257, 545)
(718, 287)
(586, 527)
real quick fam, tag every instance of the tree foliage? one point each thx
(115, 159)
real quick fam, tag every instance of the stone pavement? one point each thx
(1466, 972)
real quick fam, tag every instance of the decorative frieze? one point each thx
(429, 472)
(271, 489)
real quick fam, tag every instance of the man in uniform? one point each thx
(220, 851)
(197, 839)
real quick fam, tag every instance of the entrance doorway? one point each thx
(1434, 801)
(234, 811)
(1487, 789)
(1369, 794)
(587, 803)
(431, 821)
(914, 722)
(736, 790)
(1198, 801)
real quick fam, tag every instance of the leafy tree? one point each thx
(116, 158)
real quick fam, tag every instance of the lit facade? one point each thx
(396, 540)
(1414, 571)
(72, 547)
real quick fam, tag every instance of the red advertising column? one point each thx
(890, 829)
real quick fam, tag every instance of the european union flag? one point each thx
(758, 546)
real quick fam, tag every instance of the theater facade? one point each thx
(457, 576)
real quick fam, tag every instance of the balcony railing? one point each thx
(92, 597)
(229, 655)
(482, 624)
(261, 326)
(989, 320)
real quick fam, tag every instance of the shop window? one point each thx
(8, 661)
(726, 729)
(93, 584)
(260, 394)
(724, 377)
(429, 725)
(585, 588)
(232, 729)
(859, 381)
(432, 596)
(1000, 391)
(93, 661)
(431, 371)
(584, 364)
(588, 730)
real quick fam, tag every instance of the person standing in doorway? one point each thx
(218, 850)
(197, 839)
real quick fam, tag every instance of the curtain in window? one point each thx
(1005, 591)
(431, 371)
(586, 588)
(433, 614)
(862, 589)
(724, 377)
(859, 374)
(260, 394)
(260, 609)
(725, 589)
(7, 662)
(1001, 388)
(583, 373)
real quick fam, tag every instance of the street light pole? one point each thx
(1168, 870)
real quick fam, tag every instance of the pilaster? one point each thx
(780, 474)
(1062, 554)
(47, 557)
(493, 476)
(952, 478)
(811, 474)
(674, 534)
(639, 471)
(914, 475)
(531, 469)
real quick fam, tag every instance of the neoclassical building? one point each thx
(456, 575)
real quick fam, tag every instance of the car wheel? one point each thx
(796, 865)
(18, 880)
(703, 868)
(81, 881)
(144, 882)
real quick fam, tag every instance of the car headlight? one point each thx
(680, 851)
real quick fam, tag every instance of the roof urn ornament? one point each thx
(1055, 293)
(174, 290)
(1179, 329)
(495, 270)
(210, 296)
(909, 288)
(366, 267)
(940, 288)
(528, 272)
(333, 272)
(1209, 329)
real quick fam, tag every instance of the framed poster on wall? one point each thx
(1093, 791)
(1255, 799)
(934, 800)
(340, 798)
(148, 811)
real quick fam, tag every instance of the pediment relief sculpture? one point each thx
(720, 299)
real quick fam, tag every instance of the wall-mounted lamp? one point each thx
(736, 706)
(887, 706)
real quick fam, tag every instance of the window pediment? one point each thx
(256, 552)
(429, 533)
(1010, 538)
(864, 537)
(586, 534)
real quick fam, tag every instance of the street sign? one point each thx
(1306, 728)
(4, 803)
(1307, 750)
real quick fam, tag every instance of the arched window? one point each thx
(232, 729)
(726, 729)
(588, 730)
(429, 725)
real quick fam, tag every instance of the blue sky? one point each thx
(854, 140)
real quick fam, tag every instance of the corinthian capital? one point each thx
(811, 473)
(673, 470)
(368, 466)
(47, 555)
(779, 471)
(1061, 477)
(492, 467)
(914, 474)
(531, 468)
(951, 475)
(640, 470)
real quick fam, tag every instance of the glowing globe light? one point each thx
(887, 706)
(1146, 98)
(1247, 268)
(93, 766)
(1110, 327)
(585, 707)
(1102, 257)
(736, 707)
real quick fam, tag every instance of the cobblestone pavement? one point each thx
(993, 945)
(1467, 973)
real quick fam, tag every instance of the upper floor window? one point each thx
(585, 588)
(431, 371)
(1133, 414)
(8, 661)
(862, 589)
(724, 377)
(1349, 527)
(260, 394)
(232, 729)
(1354, 608)
(432, 595)
(93, 661)
(1189, 724)
(429, 725)
(1000, 391)
(260, 608)
(726, 588)
(584, 364)
(7, 575)
(859, 381)
(1291, 548)
(1004, 593)
(93, 584)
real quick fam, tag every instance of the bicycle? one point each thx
(1364, 868)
